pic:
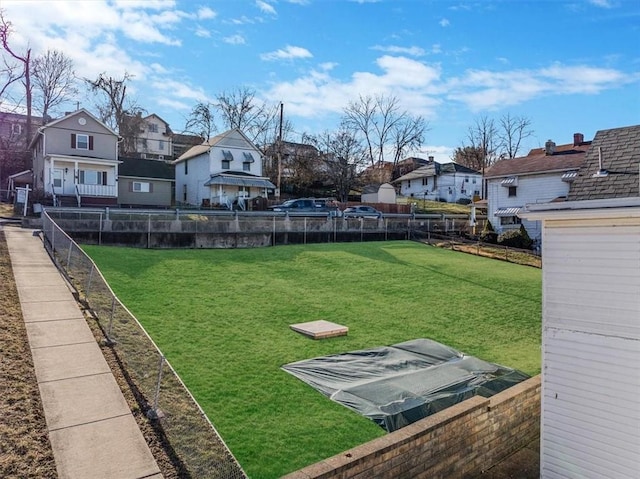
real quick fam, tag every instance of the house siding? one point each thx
(591, 349)
(58, 139)
(541, 188)
(198, 173)
(160, 194)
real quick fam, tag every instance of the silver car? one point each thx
(361, 212)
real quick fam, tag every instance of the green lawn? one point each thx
(222, 319)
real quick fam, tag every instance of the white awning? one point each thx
(569, 176)
(511, 181)
(510, 211)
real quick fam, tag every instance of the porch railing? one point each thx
(97, 190)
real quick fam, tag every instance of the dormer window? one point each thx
(153, 127)
(81, 141)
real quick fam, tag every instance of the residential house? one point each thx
(154, 140)
(181, 143)
(225, 170)
(450, 182)
(293, 165)
(145, 183)
(590, 419)
(544, 175)
(75, 160)
(14, 152)
(378, 173)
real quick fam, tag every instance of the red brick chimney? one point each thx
(578, 139)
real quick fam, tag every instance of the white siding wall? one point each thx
(448, 186)
(197, 175)
(591, 349)
(530, 189)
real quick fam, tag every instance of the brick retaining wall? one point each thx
(461, 441)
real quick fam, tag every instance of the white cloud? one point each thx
(487, 90)
(202, 32)
(413, 51)
(265, 7)
(444, 23)
(205, 13)
(317, 93)
(234, 40)
(288, 53)
(601, 3)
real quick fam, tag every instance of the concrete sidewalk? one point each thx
(91, 429)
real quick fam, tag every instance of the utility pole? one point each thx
(279, 152)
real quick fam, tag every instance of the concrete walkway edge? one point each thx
(91, 428)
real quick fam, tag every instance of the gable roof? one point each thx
(565, 157)
(230, 136)
(79, 112)
(619, 150)
(436, 169)
(140, 168)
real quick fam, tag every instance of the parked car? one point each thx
(361, 212)
(307, 205)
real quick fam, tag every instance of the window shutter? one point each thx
(130, 186)
(91, 142)
(73, 141)
(150, 187)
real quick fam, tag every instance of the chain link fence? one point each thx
(165, 398)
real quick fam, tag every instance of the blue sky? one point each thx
(569, 66)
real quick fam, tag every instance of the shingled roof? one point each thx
(141, 168)
(617, 152)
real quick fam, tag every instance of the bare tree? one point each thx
(384, 127)
(54, 80)
(239, 108)
(9, 74)
(513, 130)
(201, 121)
(24, 62)
(343, 155)
(117, 110)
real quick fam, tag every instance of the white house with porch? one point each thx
(225, 170)
(75, 160)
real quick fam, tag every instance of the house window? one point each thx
(510, 220)
(408, 183)
(227, 159)
(466, 179)
(92, 177)
(248, 159)
(153, 127)
(512, 191)
(161, 145)
(186, 167)
(16, 129)
(184, 193)
(81, 141)
(141, 187)
(473, 180)
(425, 181)
(245, 166)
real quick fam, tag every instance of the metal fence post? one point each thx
(69, 256)
(305, 230)
(149, 232)
(100, 231)
(113, 311)
(156, 397)
(86, 291)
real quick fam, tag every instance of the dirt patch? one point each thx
(25, 450)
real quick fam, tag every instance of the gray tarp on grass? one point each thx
(400, 384)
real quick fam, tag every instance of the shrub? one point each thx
(488, 234)
(516, 238)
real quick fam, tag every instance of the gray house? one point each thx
(75, 160)
(591, 315)
(145, 183)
